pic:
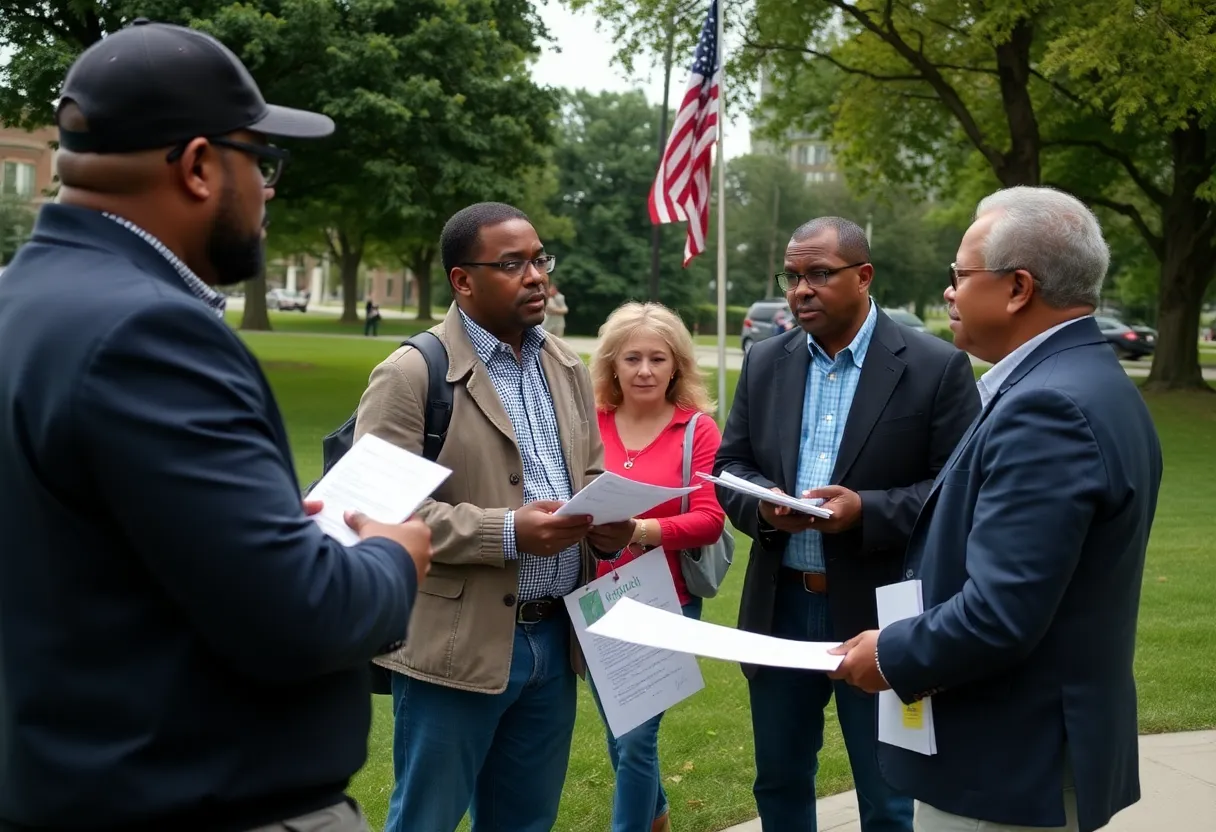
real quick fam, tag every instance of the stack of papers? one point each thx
(907, 726)
(637, 623)
(611, 498)
(377, 478)
(729, 480)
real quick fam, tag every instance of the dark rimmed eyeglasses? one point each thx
(515, 268)
(270, 159)
(788, 281)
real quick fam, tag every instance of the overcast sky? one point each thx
(587, 54)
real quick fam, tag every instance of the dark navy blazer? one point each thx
(180, 646)
(1030, 550)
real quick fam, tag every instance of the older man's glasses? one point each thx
(516, 268)
(788, 281)
(956, 273)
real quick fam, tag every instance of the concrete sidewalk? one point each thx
(1177, 786)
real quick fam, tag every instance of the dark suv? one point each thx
(765, 318)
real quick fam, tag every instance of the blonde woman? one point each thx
(647, 388)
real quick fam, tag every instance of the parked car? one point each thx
(1129, 343)
(765, 318)
(901, 316)
(286, 301)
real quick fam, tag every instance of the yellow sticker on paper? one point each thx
(914, 716)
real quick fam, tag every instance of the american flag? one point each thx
(681, 186)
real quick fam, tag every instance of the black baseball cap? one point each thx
(153, 85)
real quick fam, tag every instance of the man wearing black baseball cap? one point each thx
(181, 647)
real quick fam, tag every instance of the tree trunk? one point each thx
(420, 265)
(349, 254)
(1020, 165)
(1188, 263)
(255, 318)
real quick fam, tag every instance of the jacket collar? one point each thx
(462, 356)
(1082, 332)
(73, 226)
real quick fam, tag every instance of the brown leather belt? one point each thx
(816, 582)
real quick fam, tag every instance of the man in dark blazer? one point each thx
(1030, 549)
(862, 412)
(181, 647)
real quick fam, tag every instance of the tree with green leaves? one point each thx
(432, 100)
(604, 158)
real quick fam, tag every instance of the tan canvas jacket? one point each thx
(463, 625)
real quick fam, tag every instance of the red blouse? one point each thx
(661, 463)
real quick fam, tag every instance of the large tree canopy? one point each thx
(433, 102)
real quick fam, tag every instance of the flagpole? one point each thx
(722, 404)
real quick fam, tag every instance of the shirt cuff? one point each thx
(509, 550)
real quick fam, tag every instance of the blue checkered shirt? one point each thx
(830, 386)
(525, 396)
(196, 286)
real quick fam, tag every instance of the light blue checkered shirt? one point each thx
(524, 393)
(830, 386)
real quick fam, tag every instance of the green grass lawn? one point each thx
(706, 747)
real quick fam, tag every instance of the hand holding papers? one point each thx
(376, 478)
(611, 498)
(907, 726)
(637, 623)
(634, 683)
(729, 480)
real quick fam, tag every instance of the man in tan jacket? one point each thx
(484, 690)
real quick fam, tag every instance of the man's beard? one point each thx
(235, 255)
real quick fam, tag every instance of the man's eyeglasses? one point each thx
(956, 273)
(516, 268)
(788, 281)
(270, 159)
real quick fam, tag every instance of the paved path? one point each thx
(1177, 785)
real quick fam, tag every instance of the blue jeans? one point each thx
(502, 757)
(639, 797)
(787, 723)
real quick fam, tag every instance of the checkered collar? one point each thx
(197, 287)
(485, 344)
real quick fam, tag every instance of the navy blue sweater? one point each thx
(180, 646)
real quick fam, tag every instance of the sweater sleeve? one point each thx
(702, 524)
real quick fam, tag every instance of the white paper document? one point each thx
(639, 624)
(634, 683)
(729, 480)
(385, 482)
(907, 726)
(611, 498)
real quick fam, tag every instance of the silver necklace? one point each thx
(629, 459)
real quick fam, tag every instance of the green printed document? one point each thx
(634, 682)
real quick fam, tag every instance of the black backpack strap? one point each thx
(439, 392)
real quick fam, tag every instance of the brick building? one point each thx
(27, 163)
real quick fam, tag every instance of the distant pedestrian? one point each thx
(371, 323)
